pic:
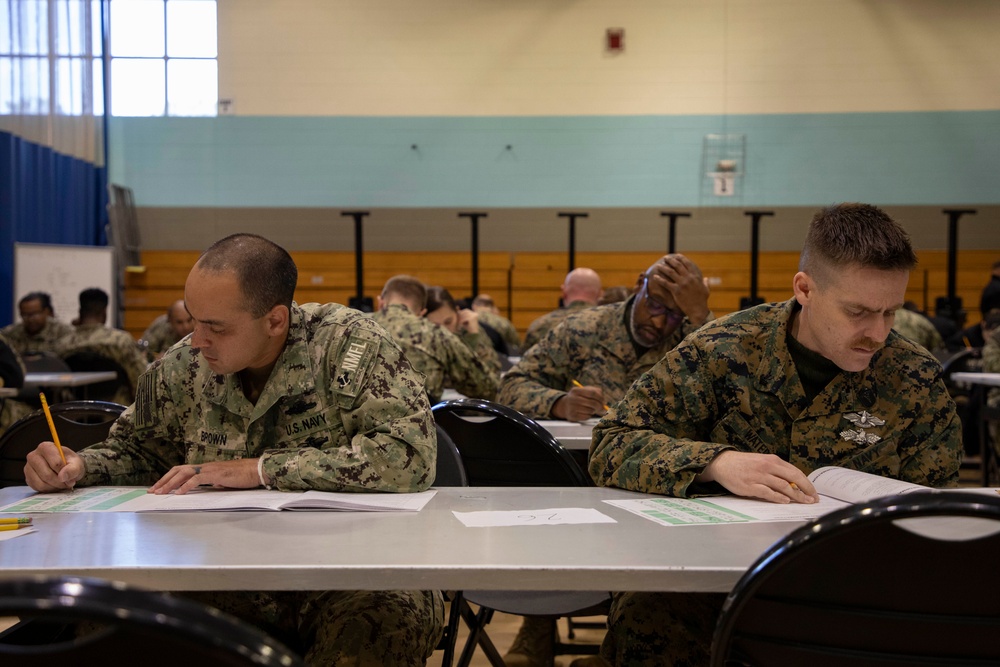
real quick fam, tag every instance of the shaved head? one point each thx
(582, 284)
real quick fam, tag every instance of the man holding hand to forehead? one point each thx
(753, 402)
(266, 392)
(590, 359)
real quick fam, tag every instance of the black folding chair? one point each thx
(130, 626)
(873, 584)
(78, 423)
(502, 447)
(88, 362)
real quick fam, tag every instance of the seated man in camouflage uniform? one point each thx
(919, 329)
(431, 349)
(38, 330)
(91, 335)
(604, 349)
(581, 289)
(991, 364)
(12, 377)
(753, 402)
(607, 347)
(166, 330)
(489, 314)
(266, 392)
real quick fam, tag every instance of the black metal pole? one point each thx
(474, 218)
(954, 303)
(572, 234)
(755, 217)
(359, 251)
(672, 234)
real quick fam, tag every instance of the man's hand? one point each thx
(44, 470)
(763, 476)
(681, 278)
(241, 474)
(468, 320)
(579, 404)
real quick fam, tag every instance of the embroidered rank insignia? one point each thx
(862, 421)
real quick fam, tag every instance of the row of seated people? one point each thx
(42, 342)
(319, 397)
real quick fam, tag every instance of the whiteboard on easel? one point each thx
(63, 271)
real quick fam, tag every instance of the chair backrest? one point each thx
(85, 362)
(963, 361)
(861, 586)
(502, 447)
(450, 469)
(78, 423)
(140, 627)
(44, 362)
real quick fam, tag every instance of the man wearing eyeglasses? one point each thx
(590, 359)
(587, 362)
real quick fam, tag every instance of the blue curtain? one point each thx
(45, 197)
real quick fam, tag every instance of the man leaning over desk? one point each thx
(590, 359)
(753, 402)
(266, 392)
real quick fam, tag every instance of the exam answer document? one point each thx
(837, 487)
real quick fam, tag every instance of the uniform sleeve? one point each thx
(930, 450)
(387, 422)
(143, 443)
(543, 375)
(135, 364)
(482, 348)
(466, 369)
(655, 439)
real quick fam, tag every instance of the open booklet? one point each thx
(133, 499)
(837, 487)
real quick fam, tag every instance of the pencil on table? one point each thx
(18, 520)
(52, 427)
(14, 526)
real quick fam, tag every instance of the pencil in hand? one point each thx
(576, 383)
(52, 426)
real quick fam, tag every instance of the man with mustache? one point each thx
(753, 402)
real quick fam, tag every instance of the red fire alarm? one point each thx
(614, 40)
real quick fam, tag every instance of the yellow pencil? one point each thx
(52, 427)
(8, 526)
(576, 383)
(19, 520)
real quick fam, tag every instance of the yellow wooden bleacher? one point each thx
(526, 284)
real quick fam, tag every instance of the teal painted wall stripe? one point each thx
(792, 160)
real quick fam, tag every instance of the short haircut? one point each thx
(265, 271)
(93, 301)
(407, 288)
(437, 297)
(37, 296)
(855, 234)
(483, 300)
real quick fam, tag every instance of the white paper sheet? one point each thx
(541, 517)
